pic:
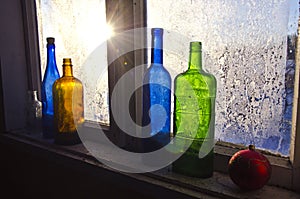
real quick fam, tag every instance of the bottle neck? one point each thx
(51, 55)
(32, 96)
(195, 58)
(35, 98)
(157, 46)
(67, 68)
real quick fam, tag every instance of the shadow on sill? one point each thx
(148, 185)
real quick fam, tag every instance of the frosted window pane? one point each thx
(245, 47)
(77, 26)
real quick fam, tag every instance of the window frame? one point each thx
(125, 15)
(286, 171)
(295, 134)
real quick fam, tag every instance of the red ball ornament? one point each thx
(249, 169)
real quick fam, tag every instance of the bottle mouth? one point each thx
(67, 61)
(157, 31)
(50, 40)
(195, 46)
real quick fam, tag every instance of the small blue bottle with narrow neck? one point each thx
(157, 96)
(51, 74)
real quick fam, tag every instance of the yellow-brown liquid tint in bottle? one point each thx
(68, 106)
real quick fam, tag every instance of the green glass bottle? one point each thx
(195, 93)
(68, 106)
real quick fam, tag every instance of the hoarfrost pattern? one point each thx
(77, 26)
(245, 45)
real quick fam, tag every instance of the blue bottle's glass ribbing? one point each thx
(157, 96)
(51, 74)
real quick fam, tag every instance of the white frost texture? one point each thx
(244, 46)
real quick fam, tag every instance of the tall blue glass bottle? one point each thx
(157, 96)
(51, 74)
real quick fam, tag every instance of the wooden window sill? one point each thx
(167, 182)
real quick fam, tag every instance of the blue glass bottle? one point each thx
(51, 74)
(157, 96)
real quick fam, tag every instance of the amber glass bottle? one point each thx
(68, 106)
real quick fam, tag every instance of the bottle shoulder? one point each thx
(196, 80)
(157, 67)
(157, 70)
(195, 74)
(49, 79)
(156, 73)
(67, 81)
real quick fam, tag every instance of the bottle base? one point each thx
(192, 165)
(47, 127)
(155, 142)
(69, 138)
